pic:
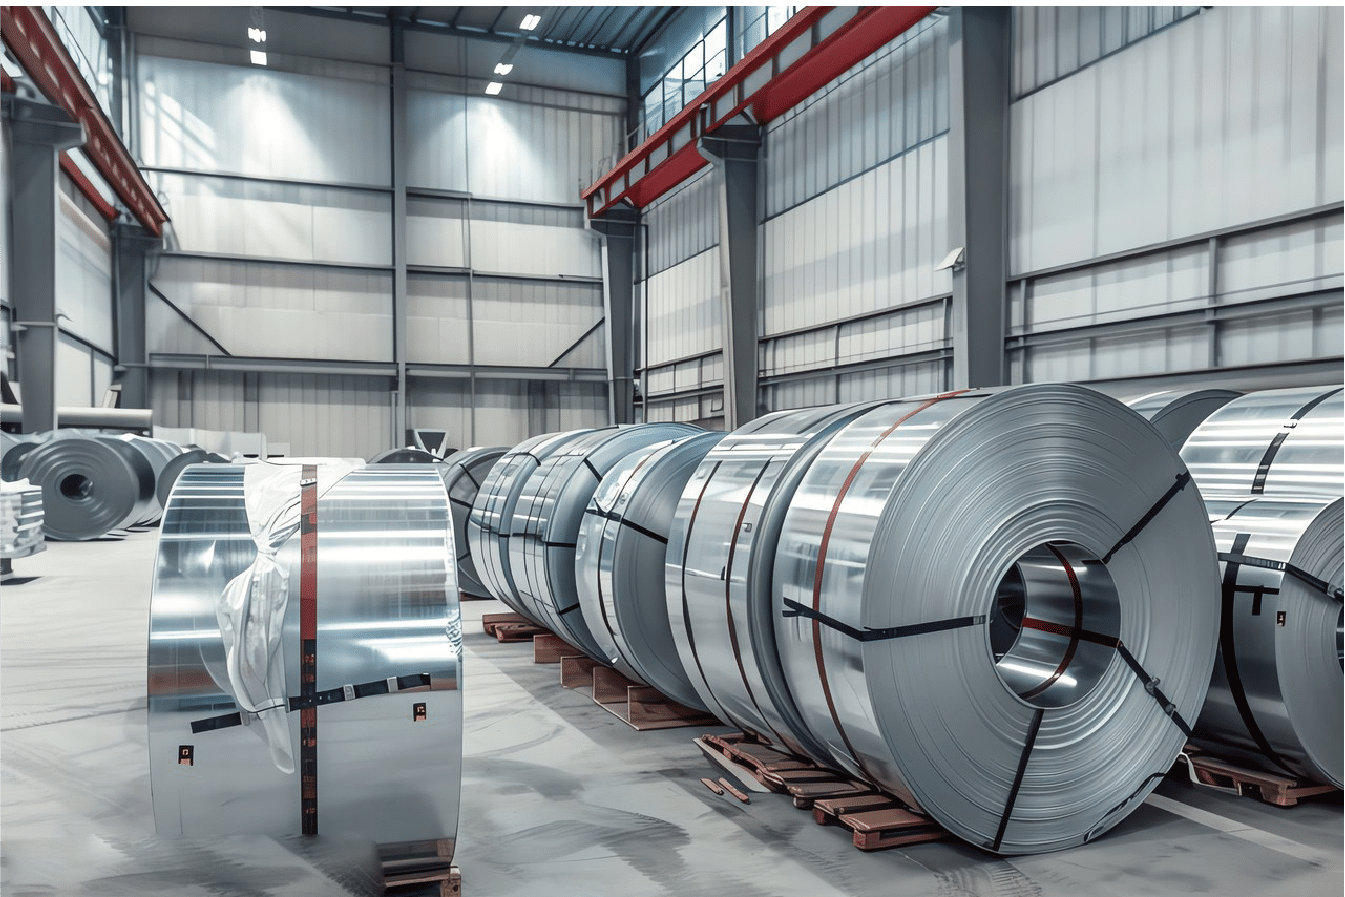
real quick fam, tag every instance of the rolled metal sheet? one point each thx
(546, 520)
(998, 605)
(91, 485)
(159, 453)
(405, 456)
(1176, 413)
(1276, 695)
(620, 556)
(388, 758)
(13, 446)
(463, 475)
(173, 469)
(721, 551)
(1274, 442)
(489, 523)
(20, 519)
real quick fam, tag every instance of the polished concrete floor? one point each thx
(559, 797)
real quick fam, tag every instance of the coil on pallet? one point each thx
(463, 475)
(91, 485)
(546, 519)
(997, 605)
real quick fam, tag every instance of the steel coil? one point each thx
(1275, 442)
(998, 606)
(620, 556)
(1276, 695)
(463, 475)
(488, 524)
(388, 759)
(159, 453)
(91, 485)
(12, 449)
(405, 456)
(546, 518)
(721, 551)
(1176, 413)
(173, 469)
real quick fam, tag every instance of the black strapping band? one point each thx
(560, 544)
(1296, 572)
(1033, 728)
(1151, 686)
(1263, 469)
(571, 609)
(320, 698)
(1177, 486)
(593, 470)
(463, 468)
(461, 502)
(795, 609)
(631, 524)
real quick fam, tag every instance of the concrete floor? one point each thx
(559, 797)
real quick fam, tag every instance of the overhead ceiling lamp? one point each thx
(258, 57)
(530, 22)
(257, 35)
(493, 88)
(503, 68)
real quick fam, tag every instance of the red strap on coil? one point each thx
(308, 646)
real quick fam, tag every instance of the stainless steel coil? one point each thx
(173, 469)
(1176, 413)
(998, 605)
(159, 453)
(91, 485)
(1276, 696)
(388, 745)
(13, 446)
(1274, 442)
(489, 523)
(405, 456)
(463, 475)
(619, 558)
(546, 521)
(721, 550)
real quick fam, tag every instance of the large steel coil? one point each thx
(409, 455)
(225, 647)
(463, 475)
(13, 446)
(721, 550)
(546, 521)
(159, 453)
(619, 560)
(1276, 696)
(91, 485)
(173, 469)
(1176, 413)
(488, 524)
(1275, 442)
(998, 605)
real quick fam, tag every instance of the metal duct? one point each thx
(96, 418)
(998, 605)
(405, 456)
(91, 485)
(1177, 413)
(1274, 442)
(173, 469)
(546, 521)
(463, 475)
(718, 575)
(388, 758)
(488, 525)
(1276, 695)
(619, 558)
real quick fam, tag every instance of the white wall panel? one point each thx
(438, 326)
(276, 310)
(521, 322)
(1180, 134)
(1297, 257)
(74, 373)
(682, 224)
(499, 246)
(434, 403)
(285, 221)
(342, 416)
(683, 312)
(83, 270)
(259, 121)
(435, 233)
(437, 157)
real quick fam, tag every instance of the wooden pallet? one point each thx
(510, 627)
(1277, 790)
(639, 706)
(429, 870)
(875, 819)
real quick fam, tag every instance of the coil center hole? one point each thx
(1053, 624)
(77, 486)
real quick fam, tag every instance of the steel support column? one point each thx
(132, 247)
(978, 68)
(619, 228)
(400, 160)
(38, 131)
(734, 151)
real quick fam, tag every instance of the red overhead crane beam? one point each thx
(31, 38)
(816, 46)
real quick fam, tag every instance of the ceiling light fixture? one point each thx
(493, 88)
(256, 34)
(503, 68)
(530, 22)
(258, 57)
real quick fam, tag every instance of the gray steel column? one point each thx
(978, 192)
(38, 132)
(132, 248)
(734, 150)
(399, 163)
(619, 228)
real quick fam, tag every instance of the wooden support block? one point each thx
(576, 672)
(609, 686)
(548, 648)
(891, 827)
(648, 708)
(1277, 790)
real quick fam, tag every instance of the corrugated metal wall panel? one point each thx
(438, 324)
(342, 416)
(682, 224)
(436, 232)
(83, 269)
(530, 322)
(270, 310)
(204, 116)
(441, 404)
(683, 310)
(1148, 145)
(535, 249)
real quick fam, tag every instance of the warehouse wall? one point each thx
(84, 352)
(280, 182)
